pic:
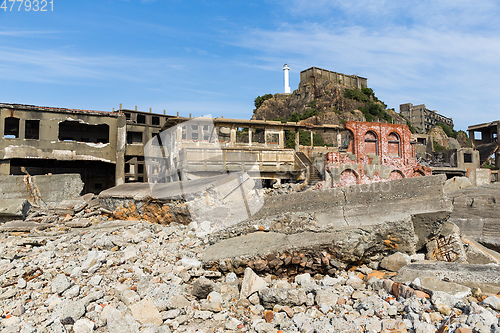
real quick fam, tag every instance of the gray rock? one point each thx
(202, 287)
(69, 308)
(60, 284)
(493, 301)
(395, 261)
(290, 297)
(56, 327)
(118, 322)
(326, 296)
(83, 326)
(162, 297)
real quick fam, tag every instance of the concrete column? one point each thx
(233, 136)
(22, 129)
(121, 140)
(4, 167)
(297, 140)
(312, 142)
(250, 136)
(282, 138)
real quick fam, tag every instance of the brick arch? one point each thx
(349, 177)
(396, 174)
(394, 144)
(371, 142)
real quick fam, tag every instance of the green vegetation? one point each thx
(450, 132)
(311, 111)
(488, 165)
(438, 147)
(260, 99)
(374, 107)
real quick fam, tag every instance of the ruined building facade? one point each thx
(313, 73)
(422, 118)
(108, 148)
(105, 148)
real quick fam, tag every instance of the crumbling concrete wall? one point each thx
(52, 188)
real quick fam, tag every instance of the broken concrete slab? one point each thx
(69, 206)
(222, 200)
(431, 284)
(52, 188)
(13, 209)
(352, 223)
(476, 211)
(456, 183)
(22, 226)
(479, 254)
(78, 223)
(486, 277)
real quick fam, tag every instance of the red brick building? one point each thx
(373, 152)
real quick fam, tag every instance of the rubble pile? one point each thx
(135, 276)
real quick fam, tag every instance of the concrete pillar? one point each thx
(250, 130)
(121, 140)
(233, 136)
(4, 167)
(297, 140)
(312, 142)
(282, 138)
(22, 129)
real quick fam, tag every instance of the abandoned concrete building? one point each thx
(105, 148)
(360, 152)
(484, 138)
(313, 73)
(421, 117)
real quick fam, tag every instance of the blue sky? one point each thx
(214, 57)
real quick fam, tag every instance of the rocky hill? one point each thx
(324, 102)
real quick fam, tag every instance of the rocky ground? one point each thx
(133, 276)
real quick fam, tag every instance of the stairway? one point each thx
(314, 175)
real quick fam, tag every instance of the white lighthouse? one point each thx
(286, 71)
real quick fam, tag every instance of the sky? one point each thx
(215, 57)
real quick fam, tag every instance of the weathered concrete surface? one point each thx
(222, 200)
(456, 183)
(352, 206)
(487, 277)
(347, 224)
(476, 211)
(21, 226)
(52, 188)
(13, 209)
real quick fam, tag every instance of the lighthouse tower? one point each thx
(286, 71)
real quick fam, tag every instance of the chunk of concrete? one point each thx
(479, 254)
(251, 283)
(486, 277)
(395, 261)
(456, 183)
(52, 188)
(14, 209)
(431, 284)
(21, 226)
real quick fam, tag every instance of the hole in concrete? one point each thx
(11, 128)
(75, 131)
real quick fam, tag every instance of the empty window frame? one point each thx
(11, 128)
(141, 119)
(134, 137)
(467, 158)
(155, 120)
(76, 131)
(32, 129)
(371, 143)
(258, 135)
(394, 144)
(272, 138)
(242, 135)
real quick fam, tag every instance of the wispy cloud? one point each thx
(55, 66)
(27, 33)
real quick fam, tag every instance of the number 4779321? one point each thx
(27, 5)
